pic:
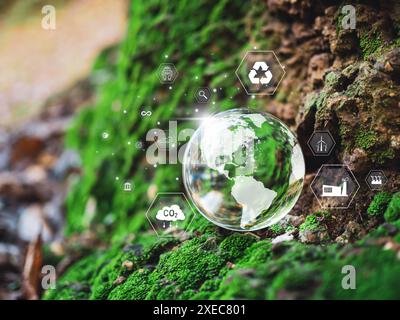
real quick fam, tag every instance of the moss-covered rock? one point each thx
(357, 102)
(313, 229)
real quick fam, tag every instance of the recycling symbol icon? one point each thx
(257, 67)
(260, 72)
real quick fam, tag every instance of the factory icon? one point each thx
(334, 186)
(335, 191)
(376, 180)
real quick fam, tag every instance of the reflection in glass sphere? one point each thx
(243, 170)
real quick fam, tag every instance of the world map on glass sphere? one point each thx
(243, 170)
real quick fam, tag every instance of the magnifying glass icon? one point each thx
(202, 94)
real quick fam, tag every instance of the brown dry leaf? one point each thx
(26, 148)
(32, 269)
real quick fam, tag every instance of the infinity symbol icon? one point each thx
(145, 113)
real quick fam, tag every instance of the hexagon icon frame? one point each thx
(175, 73)
(331, 148)
(369, 185)
(262, 93)
(181, 194)
(351, 175)
(205, 89)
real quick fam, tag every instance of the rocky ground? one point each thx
(35, 170)
(339, 79)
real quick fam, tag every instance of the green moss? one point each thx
(392, 212)
(197, 269)
(295, 283)
(290, 228)
(377, 271)
(339, 20)
(370, 42)
(76, 282)
(315, 101)
(185, 268)
(320, 101)
(332, 79)
(378, 205)
(232, 247)
(380, 156)
(277, 228)
(365, 139)
(313, 221)
(136, 287)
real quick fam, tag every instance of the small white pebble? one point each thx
(283, 237)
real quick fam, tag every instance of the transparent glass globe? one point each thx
(243, 170)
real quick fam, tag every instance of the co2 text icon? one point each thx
(170, 214)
